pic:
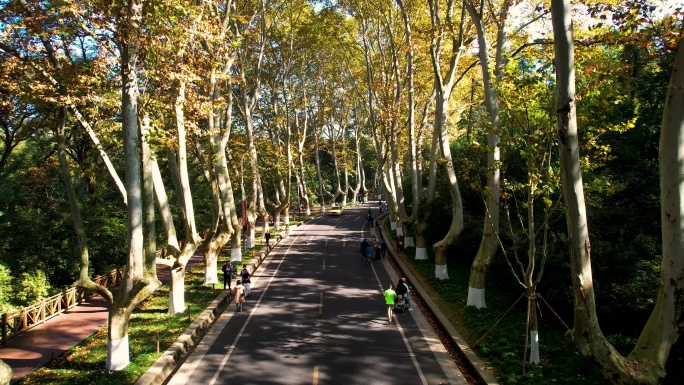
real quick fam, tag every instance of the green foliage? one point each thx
(5, 289)
(30, 287)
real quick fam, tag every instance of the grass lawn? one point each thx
(503, 349)
(84, 363)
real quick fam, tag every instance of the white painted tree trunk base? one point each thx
(400, 231)
(210, 272)
(476, 298)
(534, 347)
(408, 242)
(441, 272)
(177, 297)
(308, 211)
(421, 253)
(236, 254)
(322, 209)
(117, 354)
(249, 241)
(393, 226)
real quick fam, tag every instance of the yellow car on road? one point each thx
(336, 210)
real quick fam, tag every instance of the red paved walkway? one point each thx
(37, 346)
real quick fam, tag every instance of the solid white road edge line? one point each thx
(186, 370)
(251, 314)
(403, 336)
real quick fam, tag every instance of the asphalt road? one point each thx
(317, 316)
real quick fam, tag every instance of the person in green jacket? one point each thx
(390, 297)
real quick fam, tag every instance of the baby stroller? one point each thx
(401, 305)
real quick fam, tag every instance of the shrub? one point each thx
(30, 287)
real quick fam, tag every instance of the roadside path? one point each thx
(37, 346)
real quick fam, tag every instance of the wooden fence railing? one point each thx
(20, 321)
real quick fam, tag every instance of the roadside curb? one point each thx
(479, 367)
(166, 363)
(159, 372)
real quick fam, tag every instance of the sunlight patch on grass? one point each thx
(85, 362)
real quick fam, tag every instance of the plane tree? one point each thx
(646, 362)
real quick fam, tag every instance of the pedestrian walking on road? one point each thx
(246, 281)
(268, 239)
(378, 252)
(227, 273)
(383, 248)
(364, 245)
(367, 253)
(400, 242)
(403, 290)
(390, 297)
(239, 295)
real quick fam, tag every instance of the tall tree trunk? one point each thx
(216, 237)
(172, 246)
(225, 185)
(336, 164)
(301, 176)
(318, 172)
(422, 225)
(441, 248)
(364, 189)
(357, 146)
(411, 122)
(346, 189)
(489, 243)
(150, 233)
(173, 250)
(288, 184)
(186, 196)
(263, 213)
(665, 325)
(134, 287)
(282, 204)
(179, 171)
(444, 86)
(84, 277)
(586, 327)
(253, 204)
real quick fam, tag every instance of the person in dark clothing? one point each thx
(227, 273)
(383, 248)
(378, 252)
(246, 281)
(268, 238)
(364, 245)
(403, 290)
(367, 253)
